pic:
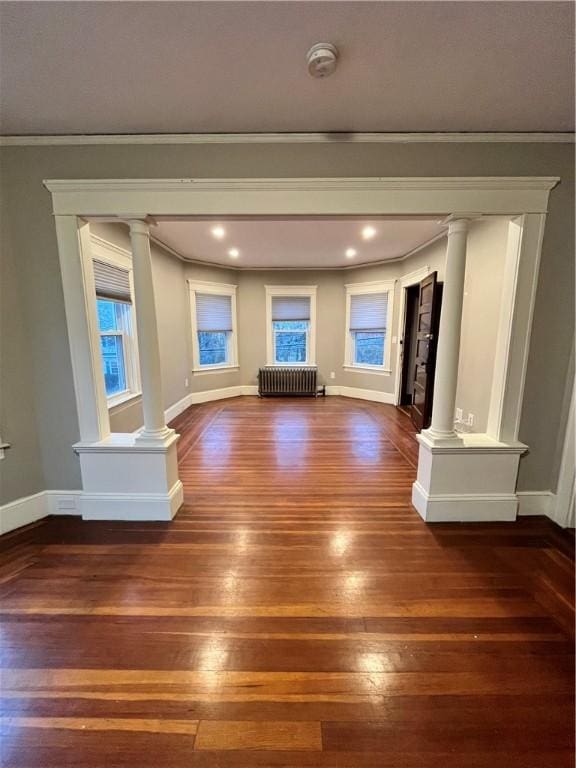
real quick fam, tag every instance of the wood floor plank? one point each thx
(258, 735)
(297, 612)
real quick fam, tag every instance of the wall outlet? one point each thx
(332, 375)
(394, 339)
(186, 382)
(459, 414)
(470, 420)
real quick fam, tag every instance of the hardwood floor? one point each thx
(296, 613)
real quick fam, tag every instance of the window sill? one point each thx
(290, 365)
(123, 399)
(214, 369)
(368, 369)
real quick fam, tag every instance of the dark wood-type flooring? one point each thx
(297, 612)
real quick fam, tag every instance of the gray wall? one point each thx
(31, 237)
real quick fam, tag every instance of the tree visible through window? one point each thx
(213, 346)
(111, 326)
(369, 347)
(290, 340)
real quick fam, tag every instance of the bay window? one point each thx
(290, 323)
(116, 322)
(213, 314)
(368, 316)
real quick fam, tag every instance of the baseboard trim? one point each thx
(374, 395)
(29, 509)
(464, 508)
(536, 503)
(133, 506)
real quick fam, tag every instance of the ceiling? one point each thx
(296, 243)
(194, 67)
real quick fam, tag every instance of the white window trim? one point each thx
(218, 289)
(355, 289)
(291, 290)
(110, 253)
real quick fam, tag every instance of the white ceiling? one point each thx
(296, 243)
(191, 67)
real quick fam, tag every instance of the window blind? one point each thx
(368, 311)
(213, 312)
(290, 307)
(111, 282)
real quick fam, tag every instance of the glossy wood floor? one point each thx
(296, 613)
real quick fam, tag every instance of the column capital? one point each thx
(139, 225)
(459, 222)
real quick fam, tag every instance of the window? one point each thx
(368, 308)
(290, 325)
(116, 321)
(213, 310)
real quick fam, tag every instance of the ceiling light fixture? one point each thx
(368, 233)
(218, 232)
(233, 253)
(322, 59)
(350, 253)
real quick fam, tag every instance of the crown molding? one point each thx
(288, 138)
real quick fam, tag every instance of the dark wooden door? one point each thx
(426, 340)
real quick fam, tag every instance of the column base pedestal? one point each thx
(472, 479)
(124, 478)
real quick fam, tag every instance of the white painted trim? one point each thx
(520, 281)
(22, 511)
(217, 289)
(359, 289)
(564, 513)
(29, 509)
(535, 503)
(374, 395)
(410, 278)
(75, 253)
(465, 508)
(289, 138)
(291, 290)
(365, 196)
(133, 506)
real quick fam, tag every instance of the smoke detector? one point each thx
(322, 59)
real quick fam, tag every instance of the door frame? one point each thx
(523, 199)
(406, 281)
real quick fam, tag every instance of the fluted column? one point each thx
(448, 351)
(148, 345)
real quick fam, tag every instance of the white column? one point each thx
(448, 352)
(155, 428)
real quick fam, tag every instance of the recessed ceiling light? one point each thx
(218, 232)
(233, 253)
(350, 253)
(368, 233)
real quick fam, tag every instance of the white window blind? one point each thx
(213, 312)
(290, 307)
(111, 282)
(368, 311)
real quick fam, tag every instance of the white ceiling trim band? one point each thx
(289, 138)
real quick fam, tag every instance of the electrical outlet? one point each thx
(332, 375)
(470, 420)
(186, 382)
(394, 339)
(459, 414)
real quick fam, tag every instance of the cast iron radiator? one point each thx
(287, 381)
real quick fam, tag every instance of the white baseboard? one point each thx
(30, 509)
(133, 506)
(536, 503)
(463, 508)
(362, 394)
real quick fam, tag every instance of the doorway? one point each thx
(422, 302)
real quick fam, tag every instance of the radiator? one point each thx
(287, 381)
